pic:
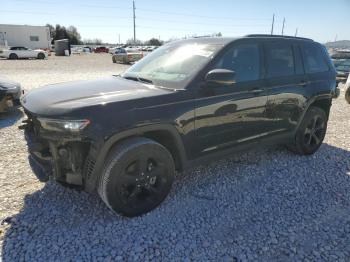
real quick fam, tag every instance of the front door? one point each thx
(226, 115)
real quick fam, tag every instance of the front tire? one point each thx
(311, 132)
(13, 56)
(137, 177)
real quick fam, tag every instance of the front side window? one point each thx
(173, 65)
(279, 60)
(244, 60)
(314, 59)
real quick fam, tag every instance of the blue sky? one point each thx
(321, 20)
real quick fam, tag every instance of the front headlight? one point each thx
(63, 125)
(5, 86)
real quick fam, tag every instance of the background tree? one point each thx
(154, 42)
(131, 42)
(95, 41)
(60, 32)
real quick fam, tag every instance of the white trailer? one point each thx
(34, 37)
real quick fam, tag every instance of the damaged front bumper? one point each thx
(54, 155)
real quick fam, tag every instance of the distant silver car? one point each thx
(121, 55)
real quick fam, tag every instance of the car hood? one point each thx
(64, 97)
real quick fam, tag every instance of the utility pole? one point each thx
(336, 37)
(296, 32)
(119, 38)
(273, 23)
(284, 20)
(133, 8)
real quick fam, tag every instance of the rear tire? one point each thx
(13, 56)
(41, 56)
(137, 177)
(311, 132)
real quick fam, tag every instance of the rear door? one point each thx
(320, 73)
(226, 115)
(286, 81)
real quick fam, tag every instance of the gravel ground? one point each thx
(264, 205)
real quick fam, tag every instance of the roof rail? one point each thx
(280, 36)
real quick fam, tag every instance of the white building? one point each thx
(25, 35)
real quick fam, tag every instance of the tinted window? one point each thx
(244, 60)
(279, 60)
(314, 59)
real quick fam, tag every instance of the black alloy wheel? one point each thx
(137, 177)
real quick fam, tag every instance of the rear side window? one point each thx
(279, 60)
(244, 60)
(314, 59)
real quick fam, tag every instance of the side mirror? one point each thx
(221, 76)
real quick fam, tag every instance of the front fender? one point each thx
(100, 154)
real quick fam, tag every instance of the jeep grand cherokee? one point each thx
(187, 102)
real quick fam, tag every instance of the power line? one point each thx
(200, 23)
(142, 18)
(145, 10)
(52, 14)
(202, 16)
(70, 3)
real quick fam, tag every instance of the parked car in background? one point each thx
(18, 52)
(10, 93)
(121, 55)
(87, 49)
(343, 69)
(112, 50)
(186, 103)
(101, 49)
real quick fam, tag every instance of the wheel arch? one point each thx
(322, 101)
(11, 54)
(164, 134)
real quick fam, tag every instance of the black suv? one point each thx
(187, 102)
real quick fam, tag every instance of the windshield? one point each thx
(173, 65)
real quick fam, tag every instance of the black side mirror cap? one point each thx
(221, 76)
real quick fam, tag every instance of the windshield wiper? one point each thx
(147, 81)
(139, 79)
